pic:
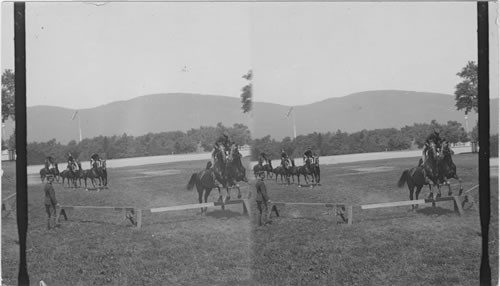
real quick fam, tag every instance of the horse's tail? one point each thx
(192, 181)
(403, 178)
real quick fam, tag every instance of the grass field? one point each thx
(305, 246)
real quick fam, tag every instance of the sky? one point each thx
(82, 55)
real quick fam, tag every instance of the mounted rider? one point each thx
(49, 163)
(285, 161)
(432, 138)
(95, 160)
(222, 144)
(71, 162)
(262, 159)
(307, 155)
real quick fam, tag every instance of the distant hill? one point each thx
(170, 112)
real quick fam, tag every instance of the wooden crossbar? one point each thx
(308, 204)
(195, 206)
(182, 207)
(406, 203)
(8, 197)
(98, 207)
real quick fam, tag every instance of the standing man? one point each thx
(50, 200)
(262, 199)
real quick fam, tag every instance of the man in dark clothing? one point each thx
(95, 159)
(50, 200)
(262, 199)
(262, 159)
(432, 138)
(307, 154)
(284, 159)
(49, 162)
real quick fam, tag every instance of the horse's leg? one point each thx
(411, 187)
(200, 200)
(460, 190)
(419, 188)
(207, 193)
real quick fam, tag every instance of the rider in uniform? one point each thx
(49, 162)
(262, 159)
(71, 161)
(284, 159)
(95, 159)
(307, 154)
(434, 138)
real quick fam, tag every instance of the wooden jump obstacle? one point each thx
(338, 209)
(457, 203)
(134, 215)
(6, 206)
(202, 205)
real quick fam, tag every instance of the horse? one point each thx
(54, 171)
(414, 178)
(69, 174)
(229, 171)
(80, 174)
(204, 182)
(431, 170)
(305, 170)
(280, 170)
(447, 169)
(269, 169)
(293, 171)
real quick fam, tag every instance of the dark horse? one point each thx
(414, 178)
(204, 181)
(229, 171)
(69, 174)
(447, 169)
(54, 171)
(97, 173)
(281, 171)
(431, 168)
(268, 168)
(305, 170)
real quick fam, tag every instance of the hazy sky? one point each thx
(81, 55)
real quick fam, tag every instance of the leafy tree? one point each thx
(246, 94)
(466, 90)
(8, 95)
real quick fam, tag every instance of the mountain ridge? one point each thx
(183, 111)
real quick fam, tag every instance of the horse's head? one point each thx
(309, 161)
(103, 164)
(446, 150)
(293, 162)
(432, 150)
(316, 161)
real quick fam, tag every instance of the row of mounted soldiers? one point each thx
(288, 169)
(74, 170)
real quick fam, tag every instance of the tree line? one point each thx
(378, 140)
(127, 146)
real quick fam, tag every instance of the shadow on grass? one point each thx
(223, 214)
(434, 211)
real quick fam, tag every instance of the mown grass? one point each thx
(305, 246)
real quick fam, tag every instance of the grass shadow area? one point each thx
(431, 211)
(223, 214)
